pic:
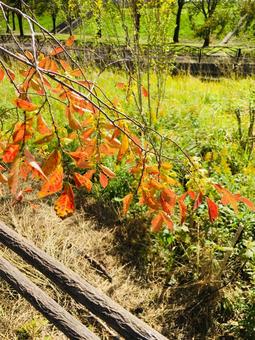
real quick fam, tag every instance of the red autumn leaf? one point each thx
(25, 105)
(191, 194)
(183, 210)
(168, 200)
(121, 86)
(213, 209)
(32, 162)
(70, 41)
(82, 181)
(126, 202)
(53, 184)
(10, 153)
(103, 180)
(108, 172)
(42, 127)
(2, 74)
(198, 200)
(145, 92)
(246, 201)
(227, 197)
(51, 162)
(64, 205)
(157, 222)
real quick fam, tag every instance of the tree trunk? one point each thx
(207, 38)
(13, 22)
(178, 22)
(231, 34)
(54, 19)
(20, 21)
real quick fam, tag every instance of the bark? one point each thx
(13, 22)
(54, 19)
(231, 34)
(20, 19)
(178, 21)
(126, 324)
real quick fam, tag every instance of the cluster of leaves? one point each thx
(97, 139)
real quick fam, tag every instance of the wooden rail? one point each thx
(44, 303)
(119, 319)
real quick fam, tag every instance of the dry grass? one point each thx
(74, 242)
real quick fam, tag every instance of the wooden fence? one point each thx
(115, 316)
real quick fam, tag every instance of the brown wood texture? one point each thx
(56, 314)
(97, 302)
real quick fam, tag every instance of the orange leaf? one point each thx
(57, 50)
(156, 223)
(22, 131)
(183, 210)
(168, 200)
(103, 180)
(10, 153)
(42, 127)
(65, 65)
(51, 162)
(13, 179)
(123, 147)
(64, 205)
(83, 181)
(25, 105)
(87, 133)
(73, 122)
(31, 161)
(2, 74)
(108, 172)
(70, 41)
(126, 202)
(121, 86)
(54, 183)
(168, 221)
(213, 210)
(227, 197)
(246, 201)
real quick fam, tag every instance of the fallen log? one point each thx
(79, 289)
(56, 314)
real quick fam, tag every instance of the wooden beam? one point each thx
(56, 314)
(97, 302)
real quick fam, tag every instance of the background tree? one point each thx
(50, 7)
(180, 5)
(215, 17)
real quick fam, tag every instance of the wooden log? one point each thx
(56, 314)
(97, 302)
